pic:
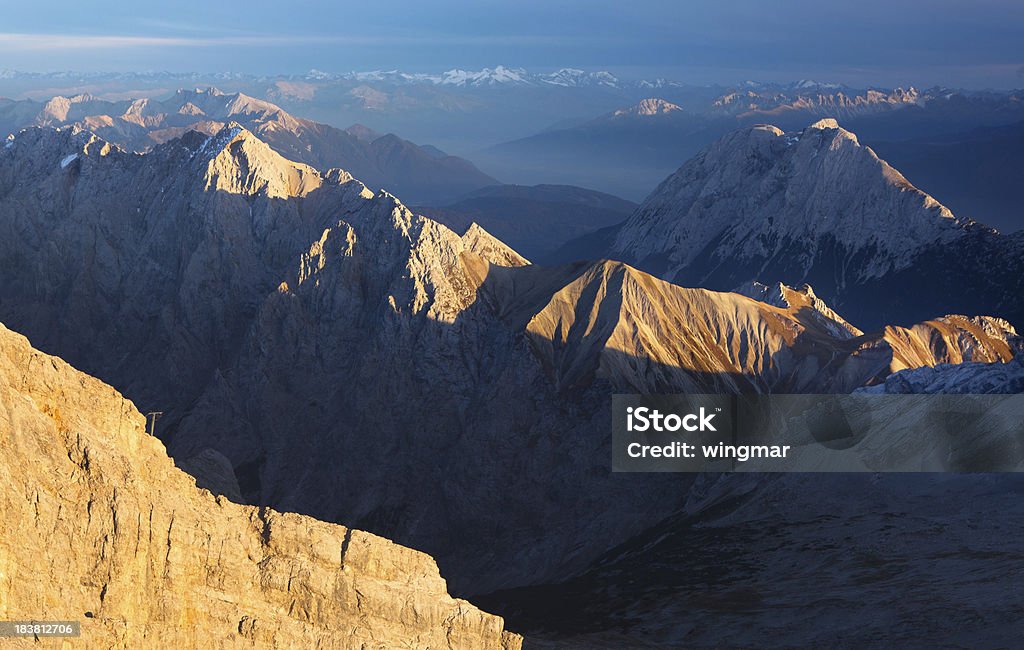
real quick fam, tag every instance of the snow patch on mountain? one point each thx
(804, 84)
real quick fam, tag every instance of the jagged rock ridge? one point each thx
(143, 558)
(384, 161)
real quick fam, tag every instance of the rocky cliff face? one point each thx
(99, 526)
(647, 108)
(817, 206)
(186, 239)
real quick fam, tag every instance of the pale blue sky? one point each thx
(974, 43)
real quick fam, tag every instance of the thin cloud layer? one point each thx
(921, 42)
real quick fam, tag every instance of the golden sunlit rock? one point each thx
(98, 526)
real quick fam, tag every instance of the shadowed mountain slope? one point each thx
(326, 340)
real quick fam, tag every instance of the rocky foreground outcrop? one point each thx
(97, 525)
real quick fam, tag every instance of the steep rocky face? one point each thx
(360, 363)
(144, 270)
(143, 558)
(387, 162)
(818, 207)
(644, 335)
(759, 191)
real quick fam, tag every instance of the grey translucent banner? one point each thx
(818, 433)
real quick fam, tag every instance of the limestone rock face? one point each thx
(99, 526)
(967, 378)
(188, 238)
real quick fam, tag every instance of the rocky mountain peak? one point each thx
(362, 132)
(140, 125)
(824, 123)
(56, 109)
(46, 150)
(188, 108)
(489, 247)
(212, 91)
(649, 107)
(764, 196)
(786, 297)
(240, 163)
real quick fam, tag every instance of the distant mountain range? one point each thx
(465, 111)
(628, 149)
(384, 161)
(498, 75)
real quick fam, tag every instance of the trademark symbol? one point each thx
(718, 409)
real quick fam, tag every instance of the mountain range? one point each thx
(497, 75)
(324, 338)
(317, 347)
(628, 149)
(529, 127)
(383, 161)
(467, 111)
